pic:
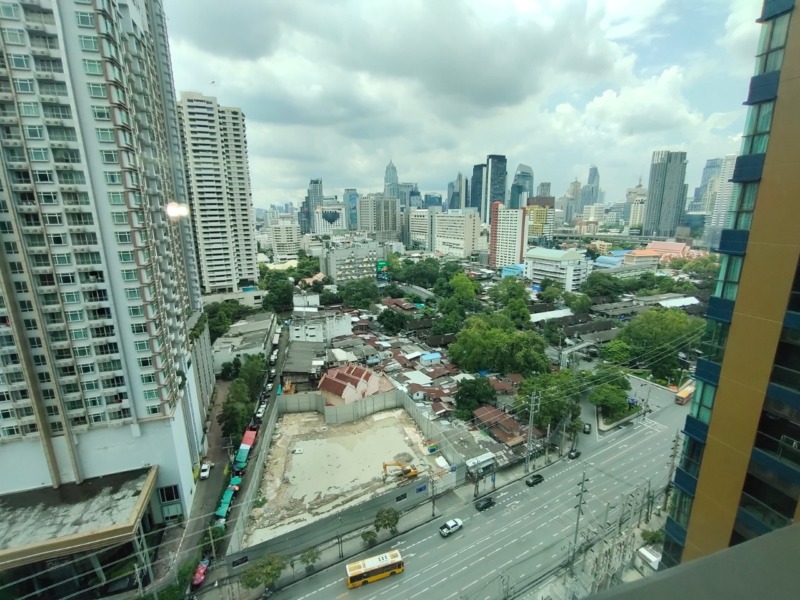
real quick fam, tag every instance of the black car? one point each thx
(534, 480)
(574, 453)
(485, 503)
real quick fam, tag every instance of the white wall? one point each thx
(24, 466)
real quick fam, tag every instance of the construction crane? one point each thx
(407, 471)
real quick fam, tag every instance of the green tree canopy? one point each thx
(557, 393)
(279, 296)
(392, 321)
(602, 284)
(252, 373)
(517, 311)
(616, 351)
(471, 394)
(551, 295)
(611, 399)
(387, 518)
(265, 571)
(580, 304)
(360, 293)
(508, 289)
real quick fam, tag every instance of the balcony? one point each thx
(757, 518)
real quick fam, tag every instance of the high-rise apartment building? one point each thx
(350, 199)
(220, 201)
(589, 193)
(518, 196)
(710, 181)
(347, 262)
(285, 233)
(418, 228)
(666, 193)
(508, 236)
(379, 216)
(719, 212)
(543, 189)
(739, 473)
(494, 184)
(330, 218)
(314, 198)
(456, 233)
(97, 277)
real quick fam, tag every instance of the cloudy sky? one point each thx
(334, 89)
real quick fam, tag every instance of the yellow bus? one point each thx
(374, 568)
(685, 395)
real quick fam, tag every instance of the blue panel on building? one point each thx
(674, 531)
(763, 87)
(781, 475)
(748, 168)
(707, 371)
(773, 8)
(733, 241)
(685, 482)
(748, 525)
(695, 429)
(792, 320)
(720, 309)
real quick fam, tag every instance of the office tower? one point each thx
(415, 199)
(456, 233)
(314, 198)
(524, 177)
(432, 200)
(476, 188)
(350, 198)
(404, 191)
(330, 218)
(460, 194)
(518, 197)
(508, 235)
(285, 238)
(100, 296)
(590, 193)
(390, 181)
(494, 184)
(574, 190)
(738, 476)
(705, 195)
(717, 220)
(451, 190)
(666, 193)
(218, 184)
(379, 216)
(543, 189)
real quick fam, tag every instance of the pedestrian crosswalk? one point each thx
(654, 425)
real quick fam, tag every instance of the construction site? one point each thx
(314, 468)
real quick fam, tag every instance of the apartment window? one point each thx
(97, 90)
(105, 135)
(26, 306)
(57, 239)
(772, 44)
(83, 351)
(744, 204)
(88, 43)
(43, 177)
(113, 177)
(19, 61)
(148, 378)
(28, 109)
(126, 256)
(703, 402)
(92, 67)
(14, 37)
(16, 268)
(133, 293)
(169, 494)
(20, 287)
(84, 19)
(62, 259)
(90, 386)
(116, 198)
(52, 218)
(150, 395)
(47, 197)
(141, 346)
(78, 334)
(109, 156)
(756, 129)
(728, 280)
(86, 369)
(135, 311)
(139, 328)
(74, 316)
(24, 86)
(71, 297)
(38, 154)
(34, 132)
(66, 278)
(123, 237)
(119, 218)
(101, 113)
(129, 275)
(146, 362)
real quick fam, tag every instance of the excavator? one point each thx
(407, 471)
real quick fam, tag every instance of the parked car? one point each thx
(574, 453)
(269, 387)
(205, 470)
(587, 428)
(260, 412)
(485, 503)
(534, 480)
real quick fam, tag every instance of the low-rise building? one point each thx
(570, 267)
(252, 335)
(311, 325)
(457, 233)
(642, 257)
(351, 261)
(351, 383)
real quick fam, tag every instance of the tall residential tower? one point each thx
(666, 193)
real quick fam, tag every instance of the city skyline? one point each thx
(656, 78)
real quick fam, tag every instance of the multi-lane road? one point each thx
(529, 532)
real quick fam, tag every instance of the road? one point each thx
(530, 530)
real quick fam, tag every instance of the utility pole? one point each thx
(673, 461)
(433, 498)
(212, 542)
(578, 521)
(534, 405)
(649, 502)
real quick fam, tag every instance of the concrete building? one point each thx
(285, 238)
(313, 325)
(217, 173)
(98, 276)
(666, 193)
(350, 199)
(720, 210)
(457, 233)
(379, 217)
(570, 268)
(419, 227)
(738, 476)
(541, 220)
(637, 213)
(251, 335)
(594, 212)
(314, 198)
(642, 257)
(330, 219)
(508, 236)
(350, 383)
(494, 184)
(390, 181)
(347, 262)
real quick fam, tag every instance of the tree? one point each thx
(327, 298)
(212, 540)
(616, 351)
(580, 304)
(656, 336)
(392, 291)
(252, 373)
(228, 373)
(508, 289)
(370, 537)
(602, 284)
(610, 375)
(309, 557)
(233, 418)
(360, 293)
(392, 321)
(471, 394)
(387, 518)
(264, 571)
(547, 283)
(517, 311)
(279, 297)
(463, 288)
(558, 393)
(611, 399)
(551, 295)
(653, 537)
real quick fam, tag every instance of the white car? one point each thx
(205, 470)
(269, 387)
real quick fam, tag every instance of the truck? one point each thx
(451, 526)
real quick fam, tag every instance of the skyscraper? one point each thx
(100, 295)
(476, 188)
(705, 195)
(719, 211)
(518, 197)
(739, 473)
(379, 216)
(314, 198)
(666, 193)
(508, 235)
(590, 193)
(390, 181)
(350, 199)
(524, 177)
(543, 189)
(460, 196)
(494, 183)
(218, 183)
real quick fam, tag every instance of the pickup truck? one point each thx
(451, 526)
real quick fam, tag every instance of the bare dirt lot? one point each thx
(314, 468)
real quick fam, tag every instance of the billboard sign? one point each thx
(382, 270)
